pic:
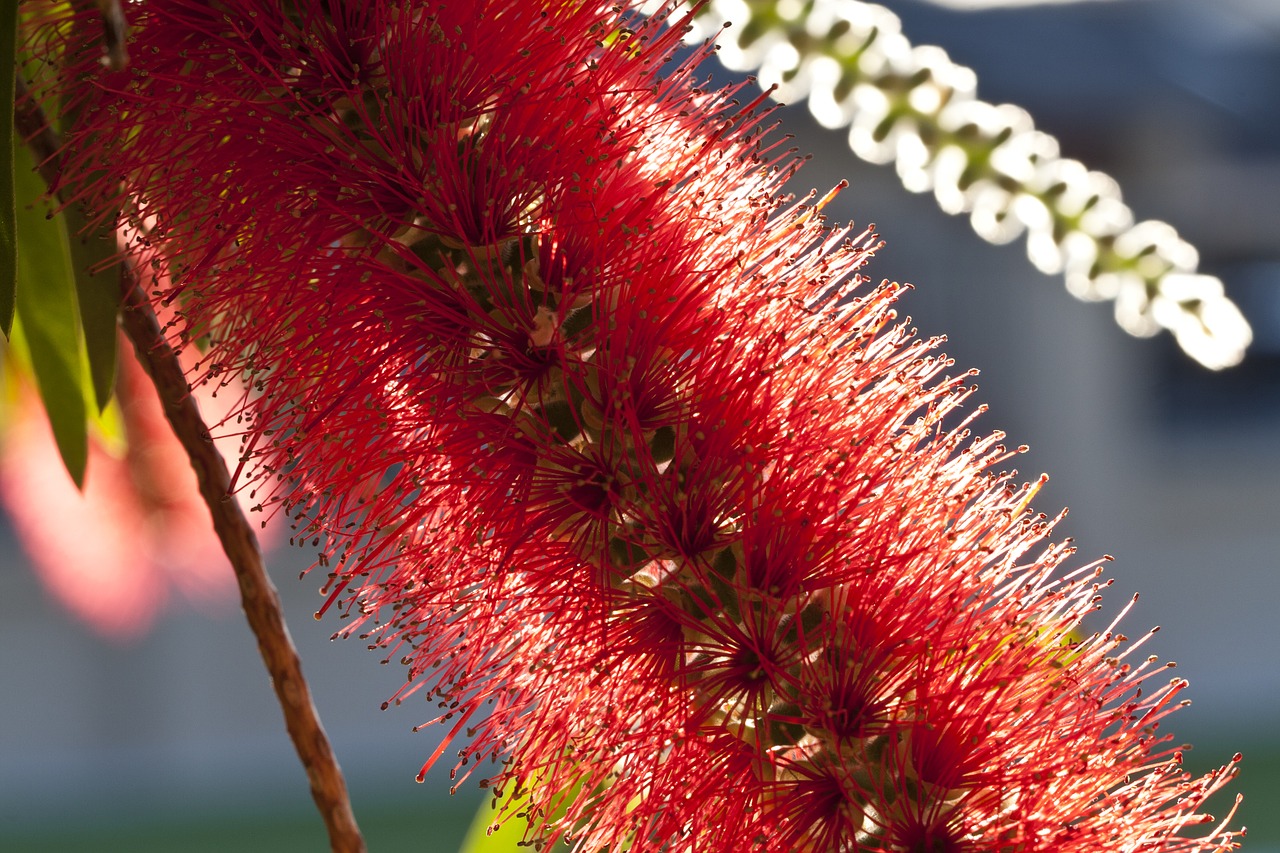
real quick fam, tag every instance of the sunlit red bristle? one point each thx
(608, 442)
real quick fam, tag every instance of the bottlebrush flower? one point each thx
(608, 442)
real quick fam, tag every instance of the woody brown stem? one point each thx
(258, 595)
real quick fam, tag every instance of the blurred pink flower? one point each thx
(114, 553)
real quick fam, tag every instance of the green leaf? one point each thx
(49, 319)
(99, 296)
(93, 257)
(8, 224)
(507, 837)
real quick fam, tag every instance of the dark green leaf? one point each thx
(48, 318)
(8, 226)
(99, 297)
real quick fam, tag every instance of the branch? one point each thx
(258, 596)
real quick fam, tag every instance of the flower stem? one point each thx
(258, 595)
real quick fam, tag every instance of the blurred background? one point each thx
(172, 740)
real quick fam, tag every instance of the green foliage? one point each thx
(508, 837)
(92, 248)
(8, 226)
(47, 333)
(98, 296)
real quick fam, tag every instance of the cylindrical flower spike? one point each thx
(609, 444)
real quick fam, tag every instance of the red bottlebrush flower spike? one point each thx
(609, 444)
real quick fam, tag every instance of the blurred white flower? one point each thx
(914, 107)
